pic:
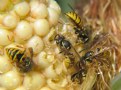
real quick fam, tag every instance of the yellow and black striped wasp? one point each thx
(82, 31)
(21, 56)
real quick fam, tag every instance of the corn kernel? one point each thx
(41, 27)
(22, 9)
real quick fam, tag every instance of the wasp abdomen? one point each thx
(14, 54)
(75, 18)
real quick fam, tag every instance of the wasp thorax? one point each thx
(66, 44)
(62, 42)
(88, 56)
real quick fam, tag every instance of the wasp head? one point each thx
(59, 38)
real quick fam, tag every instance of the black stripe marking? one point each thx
(14, 54)
(22, 58)
(10, 52)
(19, 56)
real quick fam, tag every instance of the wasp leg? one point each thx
(78, 76)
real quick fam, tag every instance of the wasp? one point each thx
(67, 48)
(88, 58)
(22, 58)
(97, 56)
(98, 49)
(64, 44)
(83, 32)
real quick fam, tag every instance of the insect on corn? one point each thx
(99, 57)
(64, 44)
(22, 58)
(67, 48)
(83, 32)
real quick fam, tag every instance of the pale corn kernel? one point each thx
(20, 88)
(1, 88)
(22, 9)
(33, 81)
(10, 21)
(50, 36)
(34, 3)
(6, 37)
(58, 68)
(3, 4)
(36, 43)
(13, 13)
(41, 60)
(24, 30)
(45, 88)
(50, 58)
(38, 10)
(53, 4)
(15, 1)
(41, 27)
(2, 50)
(40, 18)
(19, 40)
(58, 84)
(10, 80)
(50, 72)
(53, 16)
(1, 18)
(30, 19)
(5, 64)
